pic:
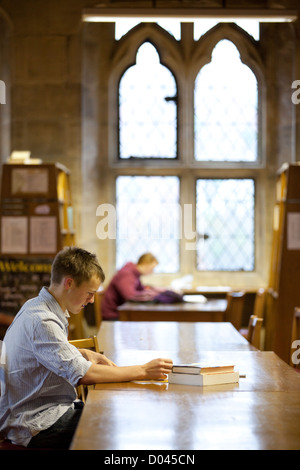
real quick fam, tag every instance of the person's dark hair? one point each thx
(77, 263)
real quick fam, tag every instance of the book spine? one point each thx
(203, 379)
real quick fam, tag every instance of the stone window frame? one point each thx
(185, 58)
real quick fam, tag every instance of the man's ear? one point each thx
(68, 282)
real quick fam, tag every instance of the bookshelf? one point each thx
(284, 277)
(36, 213)
(36, 221)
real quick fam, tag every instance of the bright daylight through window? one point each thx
(148, 219)
(150, 213)
(147, 108)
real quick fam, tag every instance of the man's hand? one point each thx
(96, 358)
(157, 369)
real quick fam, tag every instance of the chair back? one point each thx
(97, 307)
(259, 303)
(254, 328)
(85, 343)
(76, 328)
(235, 306)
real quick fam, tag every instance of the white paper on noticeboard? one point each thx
(293, 231)
(43, 234)
(14, 234)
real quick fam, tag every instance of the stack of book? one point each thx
(203, 374)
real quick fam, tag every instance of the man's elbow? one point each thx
(84, 381)
(89, 378)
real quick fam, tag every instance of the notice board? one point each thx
(20, 280)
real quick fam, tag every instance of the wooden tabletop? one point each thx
(262, 411)
(171, 336)
(147, 419)
(261, 371)
(212, 310)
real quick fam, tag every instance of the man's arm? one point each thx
(156, 369)
(96, 358)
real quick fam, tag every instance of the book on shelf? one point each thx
(22, 157)
(200, 368)
(204, 379)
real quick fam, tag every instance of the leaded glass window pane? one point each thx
(148, 108)
(225, 224)
(226, 108)
(148, 220)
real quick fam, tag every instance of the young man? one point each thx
(126, 285)
(41, 369)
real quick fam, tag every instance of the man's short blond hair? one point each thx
(76, 263)
(147, 258)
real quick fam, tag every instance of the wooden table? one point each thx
(171, 336)
(149, 420)
(262, 371)
(262, 412)
(212, 310)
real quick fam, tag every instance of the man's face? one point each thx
(149, 268)
(78, 296)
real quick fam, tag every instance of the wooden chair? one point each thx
(259, 303)
(258, 310)
(295, 351)
(235, 306)
(5, 321)
(92, 313)
(76, 328)
(85, 343)
(254, 329)
(97, 307)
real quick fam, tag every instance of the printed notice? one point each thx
(14, 235)
(43, 235)
(30, 180)
(293, 231)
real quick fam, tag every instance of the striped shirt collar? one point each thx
(52, 303)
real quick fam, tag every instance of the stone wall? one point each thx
(45, 85)
(53, 97)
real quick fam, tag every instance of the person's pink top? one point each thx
(125, 285)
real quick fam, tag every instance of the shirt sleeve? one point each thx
(52, 349)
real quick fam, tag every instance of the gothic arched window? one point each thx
(226, 108)
(186, 189)
(147, 108)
